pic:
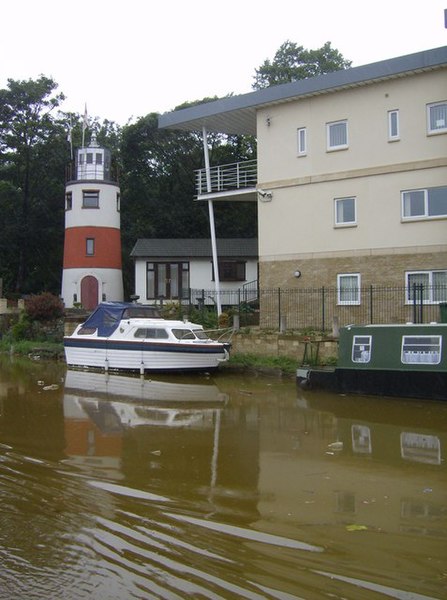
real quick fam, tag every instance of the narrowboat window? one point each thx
(361, 349)
(184, 334)
(421, 349)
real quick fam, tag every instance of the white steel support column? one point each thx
(212, 225)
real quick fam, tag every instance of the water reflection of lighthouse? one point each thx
(92, 270)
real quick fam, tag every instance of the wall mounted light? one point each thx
(265, 196)
(297, 274)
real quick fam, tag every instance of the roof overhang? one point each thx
(237, 114)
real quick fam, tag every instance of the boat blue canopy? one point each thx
(107, 315)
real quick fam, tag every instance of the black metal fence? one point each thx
(319, 308)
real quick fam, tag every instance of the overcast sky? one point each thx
(127, 59)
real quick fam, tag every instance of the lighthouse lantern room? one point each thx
(92, 267)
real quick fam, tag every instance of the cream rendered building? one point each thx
(351, 174)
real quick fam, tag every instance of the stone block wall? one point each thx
(271, 344)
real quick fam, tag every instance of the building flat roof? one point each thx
(237, 114)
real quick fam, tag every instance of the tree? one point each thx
(32, 158)
(293, 62)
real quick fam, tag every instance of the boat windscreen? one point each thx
(105, 319)
(141, 312)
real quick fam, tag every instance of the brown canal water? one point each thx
(230, 486)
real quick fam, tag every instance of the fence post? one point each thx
(414, 304)
(279, 309)
(421, 304)
(371, 315)
(323, 324)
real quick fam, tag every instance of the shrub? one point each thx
(44, 307)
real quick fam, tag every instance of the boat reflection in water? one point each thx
(99, 408)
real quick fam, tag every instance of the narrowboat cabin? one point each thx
(387, 360)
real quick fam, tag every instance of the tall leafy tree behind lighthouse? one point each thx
(32, 159)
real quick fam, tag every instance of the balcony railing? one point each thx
(226, 178)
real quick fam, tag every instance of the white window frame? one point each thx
(440, 127)
(337, 202)
(361, 349)
(329, 127)
(425, 196)
(421, 349)
(301, 141)
(393, 125)
(355, 299)
(429, 288)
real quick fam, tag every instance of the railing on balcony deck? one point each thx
(225, 178)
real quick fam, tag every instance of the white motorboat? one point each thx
(134, 337)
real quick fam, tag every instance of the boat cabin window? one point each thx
(200, 334)
(141, 312)
(152, 333)
(87, 331)
(425, 349)
(184, 334)
(361, 349)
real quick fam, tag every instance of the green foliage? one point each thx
(283, 363)
(32, 157)
(293, 62)
(21, 330)
(44, 307)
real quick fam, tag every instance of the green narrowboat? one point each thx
(388, 360)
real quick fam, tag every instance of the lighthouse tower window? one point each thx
(90, 246)
(68, 201)
(90, 199)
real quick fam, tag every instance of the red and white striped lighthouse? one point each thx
(92, 270)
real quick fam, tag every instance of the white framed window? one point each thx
(301, 134)
(421, 349)
(437, 117)
(337, 135)
(90, 198)
(345, 212)
(361, 348)
(424, 203)
(432, 285)
(393, 125)
(348, 288)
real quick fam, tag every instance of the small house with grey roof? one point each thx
(183, 269)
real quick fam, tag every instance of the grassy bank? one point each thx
(52, 350)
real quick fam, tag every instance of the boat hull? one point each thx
(429, 385)
(143, 356)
